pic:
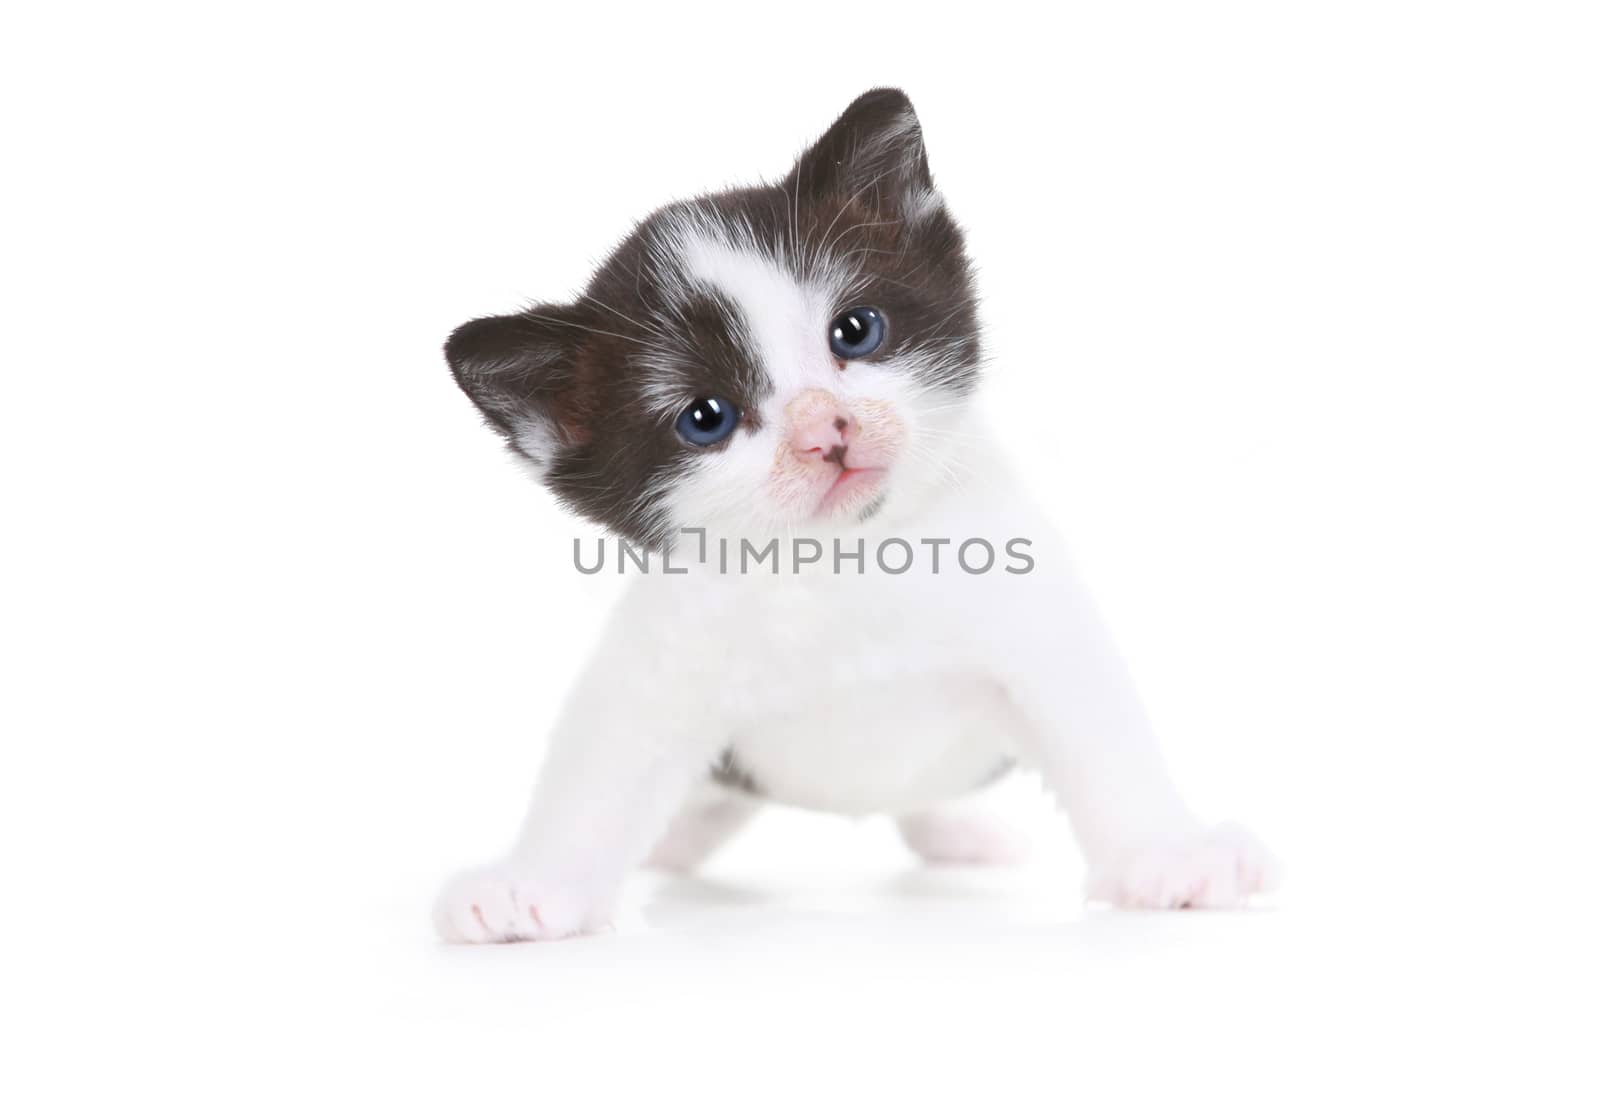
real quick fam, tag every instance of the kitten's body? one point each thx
(861, 691)
(853, 689)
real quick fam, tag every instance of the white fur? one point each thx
(845, 692)
(707, 820)
(964, 832)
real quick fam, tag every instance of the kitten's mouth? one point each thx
(854, 489)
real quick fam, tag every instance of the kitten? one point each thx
(794, 363)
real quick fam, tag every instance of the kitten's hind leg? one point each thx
(710, 817)
(967, 831)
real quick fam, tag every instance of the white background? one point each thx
(1293, 314)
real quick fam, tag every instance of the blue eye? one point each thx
(707, 421)
(856, 333)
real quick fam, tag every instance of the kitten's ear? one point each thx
(873, 152)
(520, 370)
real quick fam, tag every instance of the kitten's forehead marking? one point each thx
(785, 316)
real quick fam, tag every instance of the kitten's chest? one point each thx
(861, 699)
(792, 642)
(886, 746)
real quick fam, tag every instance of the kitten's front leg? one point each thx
(631, 742)
(1093, 744)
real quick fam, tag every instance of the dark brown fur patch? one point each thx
(728, 771)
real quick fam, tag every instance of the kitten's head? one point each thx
(777, 358)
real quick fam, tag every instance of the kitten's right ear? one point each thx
(520, 371)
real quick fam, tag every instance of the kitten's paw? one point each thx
(1219, 868)
(507, 904)
(963, 838)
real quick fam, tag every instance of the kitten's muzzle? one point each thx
(834, 454)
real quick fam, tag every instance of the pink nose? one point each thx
(821, 429)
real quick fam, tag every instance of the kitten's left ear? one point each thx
(874, 153)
